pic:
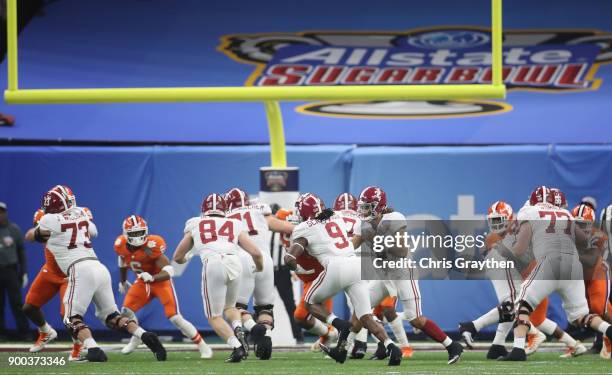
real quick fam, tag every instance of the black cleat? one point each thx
(239, 333)
(263, 350)
(497, 352)
(238, 354)
(359, 350)
(515, 355)
(258, 332)
(454, 350)
(395, 355)
(468, 332)
(597, 344)
(338, 354)
(381, 352)
(152, 342)
(96, 355)
(344, 329)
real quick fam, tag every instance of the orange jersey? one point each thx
(143, 258)
(309, 263)
(51, 265)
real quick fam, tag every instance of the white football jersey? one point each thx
(254, 221)
(70, 239)
(553, 229)
(214, 235)
(326, 239)
(352, 220)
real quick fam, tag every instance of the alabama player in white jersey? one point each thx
(382, 220)
(67, 232)
(323, 235)
(258, 220)
(552, 232)
(217, 240)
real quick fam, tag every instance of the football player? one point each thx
(259, 221)
(323, 235)
(554, 237)
(49, 281)
(67, 231)
(218, 240)
(384, 221)
(596, 270)
(144, 254)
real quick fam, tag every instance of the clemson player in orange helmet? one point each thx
(144, 254)
(308, 270)
(596, 270)
(49, 281)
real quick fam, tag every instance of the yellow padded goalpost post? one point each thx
(269, 95)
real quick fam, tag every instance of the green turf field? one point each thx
(472, 363)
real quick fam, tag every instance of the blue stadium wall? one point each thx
(166, 185)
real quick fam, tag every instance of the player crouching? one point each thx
(144, 254)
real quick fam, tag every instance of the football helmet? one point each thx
(214, 204)
(372, 202)
(308, 206)
(345, 201)
(67, 193)
(135, 230)
(584, 216)
(541, 194)
(559, 198)
(235, 198)
(499, 217)
(54, 203)
(605, 220)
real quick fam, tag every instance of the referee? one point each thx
(13, 273)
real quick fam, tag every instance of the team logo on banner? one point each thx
(534, 60)
(276, 180)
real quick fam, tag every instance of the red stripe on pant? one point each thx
(205, 289)
(315, 286)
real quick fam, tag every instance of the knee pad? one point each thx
(75, 325)
(586, 320)
(506, 311)
(118, 322)
(128, 313)
(264, 309)
(524, 308)
(243, 308)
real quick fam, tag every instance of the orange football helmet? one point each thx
(499, 217)
(584, 216)
(135, 230)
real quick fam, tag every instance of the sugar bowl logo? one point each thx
(276, 180)
(534, 60)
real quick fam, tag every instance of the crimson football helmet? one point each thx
(135, 230)
(499, 217)
(308, 206)
(584, 216)
(541, 194)
(54, 203)
(67, 193)
(214, 204)
(345, 201)
(235, 198)
(559, 198)
(372, 202)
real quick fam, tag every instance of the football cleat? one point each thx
(239, 333)
(359, 350)
(263, 350)
(468, 331)
(96, 355)
(395, 355)
(454, 350)
(152, 342)
(380, 353)
(515, 355)
(75, 354)
(534, 340)
(339, 354)
(606, 349)
(42, 340)
(496, 352)
(574, 351)
(205, 350)
(407, 352)
(131, 346)
(238, 354)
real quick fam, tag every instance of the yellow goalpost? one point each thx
(270, 96)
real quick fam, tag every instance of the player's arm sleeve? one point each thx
(189, 224)
(93, 230)
(49, 223)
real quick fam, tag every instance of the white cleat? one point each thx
(75, 354)
(131, 346)
(205, 350)
(42, 340)
(574, 351)
(534, 340)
